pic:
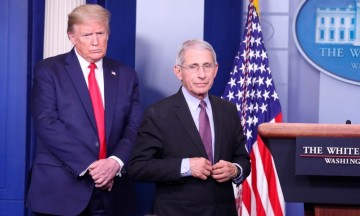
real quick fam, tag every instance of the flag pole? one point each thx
(239, 199)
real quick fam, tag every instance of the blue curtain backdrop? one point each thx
(15, 136)
(222, 29)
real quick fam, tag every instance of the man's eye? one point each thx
(207, 66)
(193, 67)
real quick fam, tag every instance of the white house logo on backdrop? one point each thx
(327, 34)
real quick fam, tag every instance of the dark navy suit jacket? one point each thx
(166, 136)
(67, 141)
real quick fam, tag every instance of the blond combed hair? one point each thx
(87, 12)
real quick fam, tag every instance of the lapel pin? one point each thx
(113, 73)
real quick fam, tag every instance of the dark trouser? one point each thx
(94, 208)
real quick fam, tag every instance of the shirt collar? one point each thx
(85, 64)
(192, 101)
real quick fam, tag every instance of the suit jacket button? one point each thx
(96, 144)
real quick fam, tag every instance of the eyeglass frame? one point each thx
(207, 68)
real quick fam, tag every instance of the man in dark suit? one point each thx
(193, 174)
(86, 122)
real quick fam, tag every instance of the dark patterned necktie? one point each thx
(98, 107)
(205, 130)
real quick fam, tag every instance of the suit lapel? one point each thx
(111, 83)
(184, 115)
(218, 122)
(74, 71)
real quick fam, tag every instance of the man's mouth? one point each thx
(95, 51)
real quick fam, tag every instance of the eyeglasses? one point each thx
(194, 68)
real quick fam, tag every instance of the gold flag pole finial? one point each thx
(257, 6)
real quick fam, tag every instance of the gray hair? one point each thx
(194, 44)
(88, 11)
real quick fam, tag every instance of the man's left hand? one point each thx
(103, 172)
(224, 171)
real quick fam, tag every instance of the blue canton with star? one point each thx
(251, 86)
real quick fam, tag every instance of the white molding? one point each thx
(56, 17)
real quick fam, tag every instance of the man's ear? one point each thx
(216, 69)
(177, 72)
(71, 37)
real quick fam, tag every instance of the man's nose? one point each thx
(201, 72)
(94, 40)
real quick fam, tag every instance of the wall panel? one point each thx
(13, 109)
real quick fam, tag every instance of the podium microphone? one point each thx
(348, 122)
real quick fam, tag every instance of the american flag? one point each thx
(252, 89)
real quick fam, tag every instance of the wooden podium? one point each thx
(321, 195)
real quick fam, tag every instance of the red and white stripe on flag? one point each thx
(261, 191)
(252, 89)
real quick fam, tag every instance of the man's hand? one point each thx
(200, 168)
(224, 171)
(103, 172)
(109, 185)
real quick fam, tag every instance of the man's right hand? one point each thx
(200, 167)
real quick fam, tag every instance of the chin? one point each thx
(97, 56)
(202, 91)
(201, 94)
